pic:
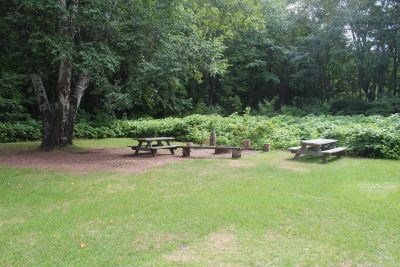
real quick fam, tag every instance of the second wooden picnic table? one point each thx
(318, 147)
(152, 144)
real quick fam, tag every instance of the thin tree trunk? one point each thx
(45, 111)
(283, 88)
(398, 84)
(210, 90)
(395, 70)
(74, 102)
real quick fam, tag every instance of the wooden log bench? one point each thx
(236, 151)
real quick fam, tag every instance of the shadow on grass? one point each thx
(313, 159)
(144, 155)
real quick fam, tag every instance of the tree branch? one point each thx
(40, 92)
(80, 87)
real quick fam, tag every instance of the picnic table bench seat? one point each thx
(164, 147)
(334, 151)
(154, 147)
(211, 147)
(236, 151)
(294, 149)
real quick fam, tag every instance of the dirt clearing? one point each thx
(89, 160)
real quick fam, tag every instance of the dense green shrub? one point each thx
(348, 106)
(384, 106)
(369, 136)
(12, 110)
(13, 132)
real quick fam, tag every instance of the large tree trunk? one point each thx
(62, 107)
(58, 122)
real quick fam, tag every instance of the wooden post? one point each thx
(189, 144)
(236, 153)
(266, 148)
(213, 138)
(246, 144)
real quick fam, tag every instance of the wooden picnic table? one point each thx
(152, 144)
(318, 147)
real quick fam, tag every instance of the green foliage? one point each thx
(12, 98)
(355, 106)
(14, 132)
(166, 58)
(384, 106)
(266, 108)
(375, 142)
(12, 110)
(348, 106)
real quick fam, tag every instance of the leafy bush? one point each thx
(384, 106)
(12, 110)
(348, 106)
(14, 132)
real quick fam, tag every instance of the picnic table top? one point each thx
(319, 142)
(149, 139)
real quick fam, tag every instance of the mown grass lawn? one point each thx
(259, 210)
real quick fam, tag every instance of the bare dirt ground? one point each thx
(89, 160)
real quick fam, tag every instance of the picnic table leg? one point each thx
(298, 152)
(318, 150)
(152, 150)
(138, 148)
(171, 149)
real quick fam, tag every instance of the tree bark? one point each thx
(74, 102)
(395, 70)
(62, 107)
(45, 111)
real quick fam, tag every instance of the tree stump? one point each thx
(236, 153)
(266, 148)
(246, 144)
